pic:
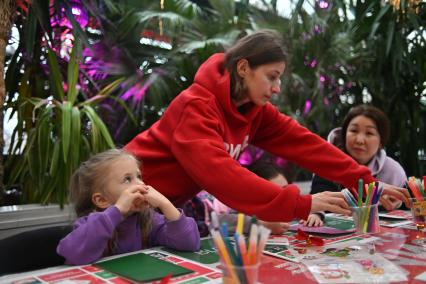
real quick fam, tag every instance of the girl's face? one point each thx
(362, 139)
(122, 173)
(261, 82)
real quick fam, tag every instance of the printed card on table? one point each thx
(396, 214)
(370, 269)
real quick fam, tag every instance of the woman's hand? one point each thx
(391, 195)
(329, 201)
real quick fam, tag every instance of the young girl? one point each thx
(115, 212)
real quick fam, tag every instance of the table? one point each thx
(399, 245)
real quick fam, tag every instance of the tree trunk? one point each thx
(7, 11)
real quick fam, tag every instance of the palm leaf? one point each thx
(55, 77)
(171, 18)
(66, 112)
(225, 8)
(73, 67)
(76, 137)
(98, 129)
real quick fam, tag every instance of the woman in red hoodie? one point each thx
(196, 144)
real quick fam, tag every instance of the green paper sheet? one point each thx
(142, 267)
(206, 255)
(339, 223)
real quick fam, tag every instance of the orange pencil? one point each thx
(252, 250)
(220, 244)
(415, 190)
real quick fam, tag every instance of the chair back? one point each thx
(32, 250)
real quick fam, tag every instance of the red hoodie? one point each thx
(194, 146)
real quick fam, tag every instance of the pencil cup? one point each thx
(366, 219)
(247, 274)
(418, 210)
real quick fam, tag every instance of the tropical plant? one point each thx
(56, 103)
(65, 130)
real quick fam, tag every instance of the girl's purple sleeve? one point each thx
(87, 242)
(181, 234)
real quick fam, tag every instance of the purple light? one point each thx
(317, 29)
(137, 92)
(306, 36)
(281, 162)
(250, 155)
(245, 158)
(322, 78)
(307, 108)
(322, 4)
(326, 101)
(313, 63)
(78, 11)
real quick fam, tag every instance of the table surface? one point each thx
(401, 246)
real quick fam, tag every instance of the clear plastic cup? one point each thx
(366, 219)
(247, 274)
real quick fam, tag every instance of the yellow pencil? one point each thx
(240, 223)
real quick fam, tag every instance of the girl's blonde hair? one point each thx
(89, 178)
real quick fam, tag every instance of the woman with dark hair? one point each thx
(363, 136)
(195, 144)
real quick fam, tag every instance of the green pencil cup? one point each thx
(366, 219)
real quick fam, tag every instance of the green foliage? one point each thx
(65, 132)
(58, 127)
(352, 52)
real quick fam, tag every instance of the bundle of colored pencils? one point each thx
(356, 200)
(238, 254)
(371, 191)
(417, 188)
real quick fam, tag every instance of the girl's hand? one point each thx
(313, 221)
(330, 201)
(153, 197)
(277, 228)
(130, 200)
(157, 200)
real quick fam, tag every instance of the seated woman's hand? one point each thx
(329, 201)
(389, 202)
(393, 193)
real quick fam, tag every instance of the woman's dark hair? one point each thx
(259, 48)
(373, 113)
